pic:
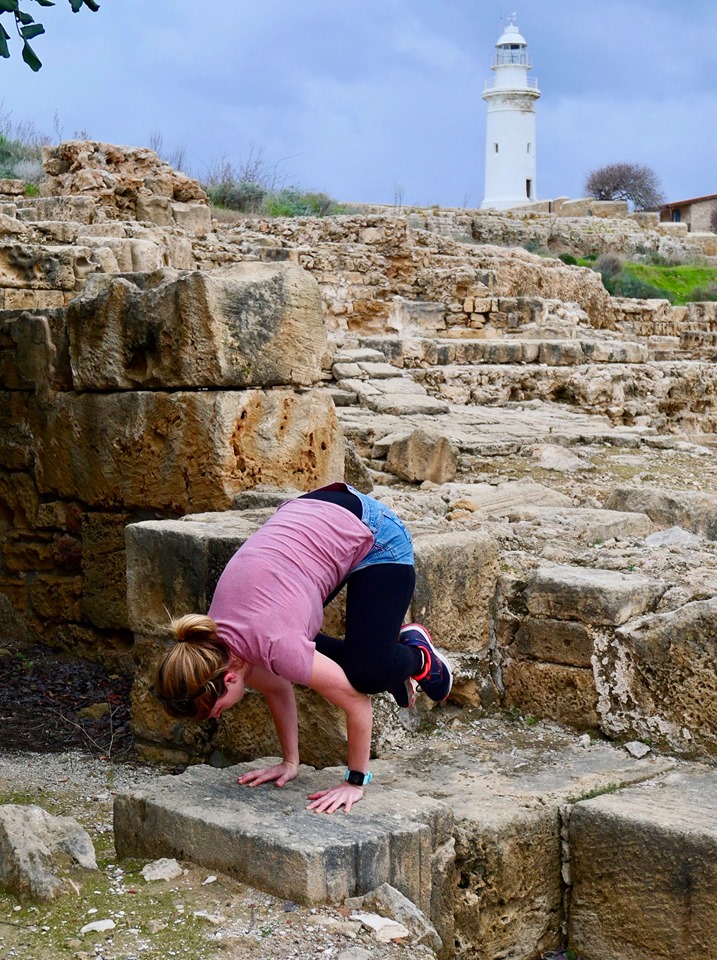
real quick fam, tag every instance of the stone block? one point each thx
(12, 188)
(156, 210)
(644, 870)
(552, 691)
(267, 838)
(668, 689)
(194, 217)
(688, 509)
(56, 597)
(608, 208)
(589, 595)
(128, 449)
(423, 456)
(19, 502)
(561, 353)
(35, 267)
(251, 324)
(416, 318)
(557, 641)
(17, 443)
(104, 600)
(37, 354)
(456, 579)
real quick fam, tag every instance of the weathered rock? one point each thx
(456, 577)
(115, 177)
(643, 864)
(557, 641)
(184, 451)
(688, 509)
(663, 685)
(589, 595)
(266, 837)
(389, 902)
(423, 456)
(552, 691)
(104, 594)
(34, 846)
(253, 324)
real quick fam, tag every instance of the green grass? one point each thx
(678, 282)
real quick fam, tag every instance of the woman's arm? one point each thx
(328, 679)
(280, 698)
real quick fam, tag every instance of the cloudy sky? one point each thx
(369, 100)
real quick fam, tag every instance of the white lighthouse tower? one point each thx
(510, 126)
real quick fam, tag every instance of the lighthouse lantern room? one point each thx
(510, 166)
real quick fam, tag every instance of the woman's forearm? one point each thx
(359, 721)
(282, 704)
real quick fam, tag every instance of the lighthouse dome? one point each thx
(511, 35)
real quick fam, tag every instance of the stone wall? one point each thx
(153, 394)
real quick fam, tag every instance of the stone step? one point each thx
(643, 866)
(438, 352)
(475, 834)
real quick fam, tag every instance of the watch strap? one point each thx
(358, 778)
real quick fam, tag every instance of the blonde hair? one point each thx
(189, 679)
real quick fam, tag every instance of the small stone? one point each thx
(98, 926)
(383, 929)
(162, 869)
(155, 926)
(210, 879)
(215, 919)
(637, 749)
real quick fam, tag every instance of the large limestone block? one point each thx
(267, 838)
(669, 666)
(184, 452)
(644, 870)
(557, 641)
(456, 579)
(251, 324)
(553, 691)
(423, 456)
(194, 217)
(590, 595)
(669, 508)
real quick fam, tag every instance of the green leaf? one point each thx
(4, 37)
(8, 6)
(29, 33)
(24, 17)
(76, 5)
(46, 3)
(30, 57)
(94, 7)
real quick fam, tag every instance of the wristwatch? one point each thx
(357, 778)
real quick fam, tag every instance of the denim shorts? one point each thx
(392, 541)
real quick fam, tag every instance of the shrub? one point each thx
(703, 294)
(626, 181)
(568, 258)
(608, 265)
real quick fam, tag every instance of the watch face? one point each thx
(356, 778)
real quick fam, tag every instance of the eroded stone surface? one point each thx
(643, 870)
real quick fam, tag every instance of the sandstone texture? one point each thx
(250, 325)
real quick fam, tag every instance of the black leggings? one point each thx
(377, 599)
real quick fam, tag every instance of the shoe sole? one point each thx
(419, 628)
(410, 689)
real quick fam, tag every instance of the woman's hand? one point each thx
(281, 773)
(329, 801)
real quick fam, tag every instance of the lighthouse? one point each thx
(510, 125)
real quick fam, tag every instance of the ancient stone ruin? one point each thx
(167, 381)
